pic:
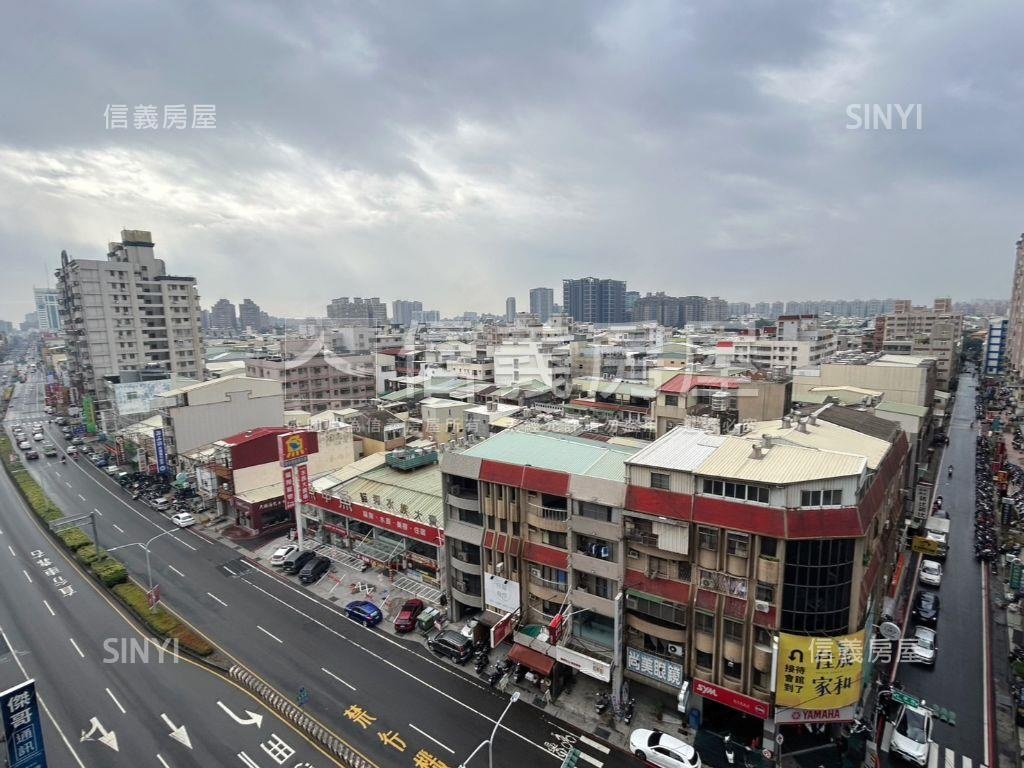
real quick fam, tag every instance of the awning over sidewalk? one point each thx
(532, 660)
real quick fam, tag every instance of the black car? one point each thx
(314, 569)
(296, 564)
(452, 644)
(926, 608)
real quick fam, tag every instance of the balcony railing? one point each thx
(550, 513)
(642, 537)
(558, 586)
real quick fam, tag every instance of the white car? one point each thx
(912, 735)
(281, 554)
(922, 645)
(931, 573)
(38, 437)
(183, 519)
(663, 750)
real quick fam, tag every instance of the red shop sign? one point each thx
(738, 701)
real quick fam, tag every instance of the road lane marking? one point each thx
(118, 703)
(223, 566)
(81, 497)
(12, 550)
(162, 761)
(69, 485)
(118, 527)
(76, 647)
(328, 672)
(49, 608)
(56, 473)
(226, 605)
(176, 570)
(97, 511)
(185, 543)
(269, 634)
(424, 733)
(595, 744)
(26, 575)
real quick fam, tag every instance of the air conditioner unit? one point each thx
(675, 650)
(535, 572)
(762, 606)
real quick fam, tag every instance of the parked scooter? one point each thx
(627, 716)
(602, 700)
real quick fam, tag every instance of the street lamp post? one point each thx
(145, 546)
(489, 743)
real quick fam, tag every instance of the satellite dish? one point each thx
(890, 630)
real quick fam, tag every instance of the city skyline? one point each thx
(642, 153)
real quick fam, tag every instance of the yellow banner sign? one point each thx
(819, 672)
(925, 546)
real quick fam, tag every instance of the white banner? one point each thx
(502, 593)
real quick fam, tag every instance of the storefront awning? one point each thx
(532, 660)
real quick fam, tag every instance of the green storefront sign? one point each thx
(89, 414)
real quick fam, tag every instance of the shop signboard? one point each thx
(428, 534)
(503, 628)
(502, 593)
(22, 727)
(591, 667)
(790, 716)
(654, 667)
(160, 449)
(925, 546)
(922, 502)
(737, 701)
(206, 482)
(819, 672)
(302, 477)
(289, 488)
(295, 447)
(89, 414)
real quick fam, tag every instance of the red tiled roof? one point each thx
(253, 434)
(682, 383)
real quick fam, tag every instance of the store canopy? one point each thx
(532, 660)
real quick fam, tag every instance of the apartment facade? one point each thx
(594, 300)
(994, 360)
(315, 380)
(542, 303)
(249, 316)
(923, 332)
(223, 317)
(358, 310)
(402, 311)
(796, 342)
(1015, 315)
(47, 302)
(127, 314)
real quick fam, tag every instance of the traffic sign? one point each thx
(778, 739)
(153, 596)
(906, 698)
(925, 546)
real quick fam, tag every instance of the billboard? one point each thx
(501, 593)
(654, 667)
(137, 397)
(302, 480)
(295, 447)
(24, 730)
(819, 673)
(206, 482)
(161, 450)
(89, 414)
(289, 488)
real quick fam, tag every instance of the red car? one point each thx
(406, 619)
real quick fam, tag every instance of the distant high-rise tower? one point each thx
(223, 318)
(542, 303)
(1015, 321)
(47, 309)
(510, 309)
(593, 300)
(358, 311)
(249, 316)
(402, 311)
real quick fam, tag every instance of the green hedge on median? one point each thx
(160, 621)
(110, 571)
(37, 499)
(89, 554)
(74, 539)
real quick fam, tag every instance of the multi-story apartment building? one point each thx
(923, 332)
(314, 379)
(127, 314)
(678, 311)
(358, 310)
(533, 525)
(693, 399)
(249, 316)
(522, 361)
(1015, 315)
(994, 358)
(223, 317)
(542, 303)
(47, 302)
(510, 310)
(401, 311)
(594, 300)
(796, 342)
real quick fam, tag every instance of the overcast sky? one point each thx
(459, 153)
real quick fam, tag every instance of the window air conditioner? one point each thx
(762, 606)
(675, 650)
(535, 572)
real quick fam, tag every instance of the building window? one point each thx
(762, 637)
(657, 566)
(672, 400)
(705, 623)
(595, 512)
(769, 547)
(830, 498)
(659, 480)
(765, 592)
(707, 538)
(553, 539)
(732, 669)
(683, 570)
(737, 544)
(705, 660)
(733, 630)
(761, 680)
(816, 586)
(758, 494)
(671, 612)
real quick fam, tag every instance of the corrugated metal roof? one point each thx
(907, 409)
(779, 465)
(323, 483)
(683, 382)
(559, 453)
(823, 436)
(682, 448)
(624, 388)
(419, 490)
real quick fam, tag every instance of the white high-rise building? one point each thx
(125, 313)
(47, 309)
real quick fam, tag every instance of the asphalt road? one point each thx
(112, 697)
(389, 699)
(958, 680)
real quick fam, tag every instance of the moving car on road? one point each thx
(405, 621)
(926, 609)
(912, 735)
(662, 750)
(931, 573)
(31, 453)
(49, 449)
(365, 612)
(183, 519)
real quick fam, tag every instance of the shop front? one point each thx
(261, 515)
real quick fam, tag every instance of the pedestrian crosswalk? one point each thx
(590, 751)
(938, 755)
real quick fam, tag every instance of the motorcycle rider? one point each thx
(950, 473)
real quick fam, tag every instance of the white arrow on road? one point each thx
(107, 738)
(178, 732)
(255, 718)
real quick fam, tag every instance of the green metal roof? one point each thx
(559, 453)
(419, 490)
(907, 409)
